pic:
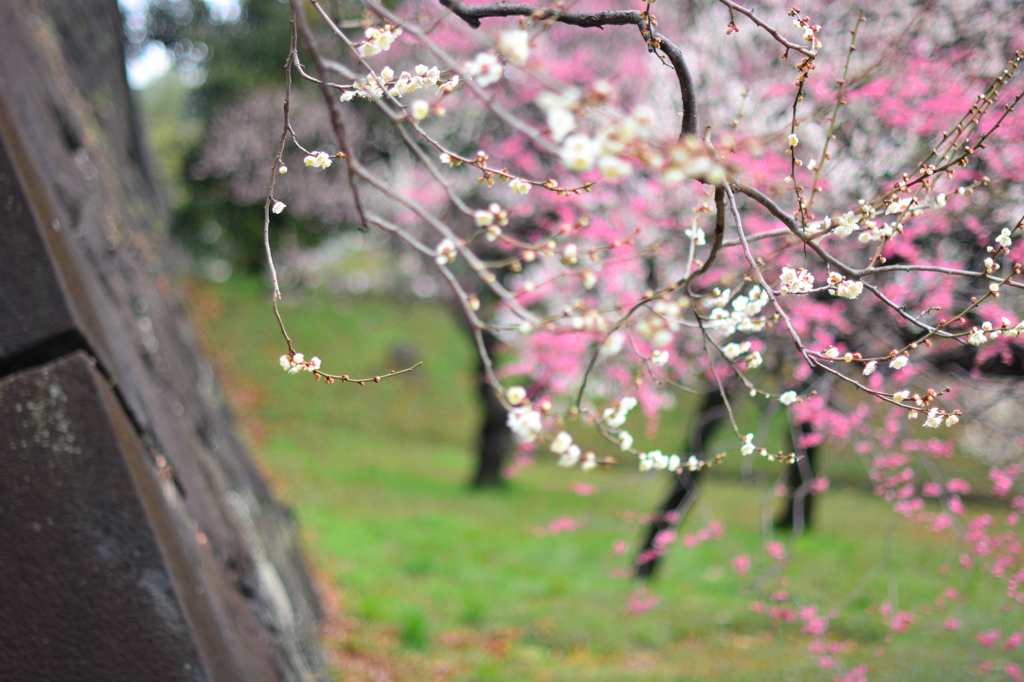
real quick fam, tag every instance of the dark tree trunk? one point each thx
(684, 491)
(495, 438)
(796, 516)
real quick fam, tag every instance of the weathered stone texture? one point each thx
(81, 270)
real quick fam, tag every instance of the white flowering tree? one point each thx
(817, 210)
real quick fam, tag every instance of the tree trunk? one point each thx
(495, 438)
(684, 492)
(796, 516)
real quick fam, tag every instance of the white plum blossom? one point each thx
(743, 314)
(431, 74)
(934, 419)
(589, 461)
(558, 110)
(719, 299)
(485, 69)
(793, 140)
(899, 362)
(849, 288)
(656, 461)
(625, 440)
(519, 186)
(899, 206)
(570, 456)
(378, 40)
(561, 122)
(754, 360)
(561, 443)
(693, 464)
(450, 85)
(748, 445)
(870, 368)
(515, 46)
(798, 281)
(788, 398)
(952, 420)
(613, 344)
(446, 252)
(419, 110)
(846, 224)
(616, 417)
(662, 338)
(976, 337)
(734, 350)
(659, 358)
(293, 364)
(613, 167)
(579, 153)
(1004, 238)
(372, 86)
(483, 218)
(515, 395)
(900, 396)
(278, 207)
(525, 422)
(646, 462)
(318, 160)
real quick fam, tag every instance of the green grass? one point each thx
(438, 581)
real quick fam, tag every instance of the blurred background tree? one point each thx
(227, 70)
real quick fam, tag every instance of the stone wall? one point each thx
(137, 539)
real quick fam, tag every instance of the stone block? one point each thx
(100, 580)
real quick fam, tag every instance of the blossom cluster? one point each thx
(798, 281)
(840, 286)
(319, 160)
(569, 453)
(744, 314)
(374, 86)
(656, 461)
(605, 150)
(293, 364)
(378, 40)
(615, 417)
(988, 331)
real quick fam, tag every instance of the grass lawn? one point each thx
(427, 579)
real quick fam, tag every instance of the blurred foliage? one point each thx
(172, 128)
(224, 57)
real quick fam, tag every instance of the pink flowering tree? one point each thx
(816, 209)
